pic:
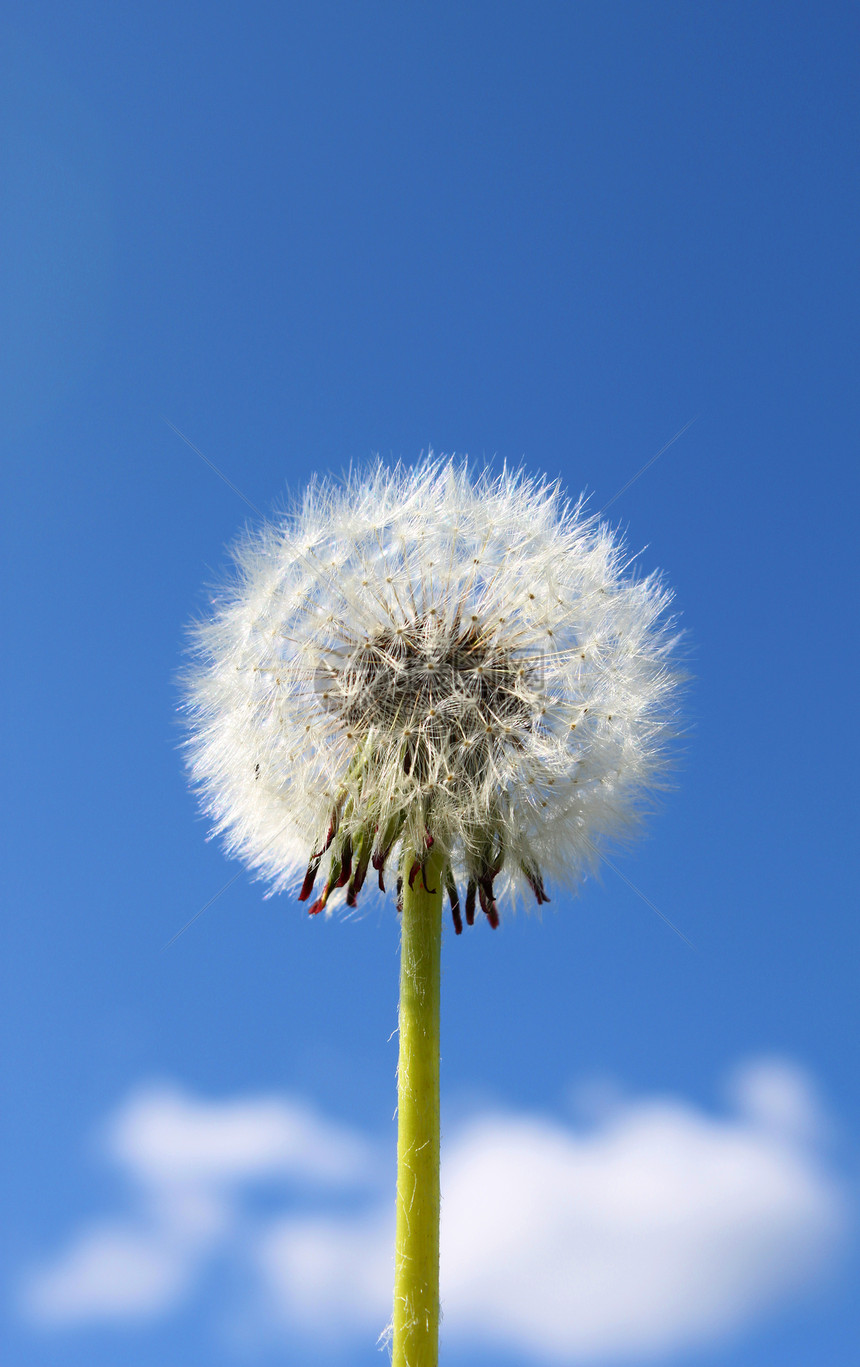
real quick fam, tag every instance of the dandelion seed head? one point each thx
(422, 656)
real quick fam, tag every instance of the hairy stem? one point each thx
(416, 1275)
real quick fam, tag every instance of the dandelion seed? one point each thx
(417, 685)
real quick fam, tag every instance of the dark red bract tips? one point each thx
(353, 856)
(454, 899)
(471, 893)
(535, 882)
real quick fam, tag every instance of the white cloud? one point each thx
(161, 1134)
(111, 1272)
(658, 1229)
(187, 1160)
(661, 1230)
(655, 1228)
(330, 1276)
(778, 1096)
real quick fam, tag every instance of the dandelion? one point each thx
(454, 681)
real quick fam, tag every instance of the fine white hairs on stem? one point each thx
(421, 656)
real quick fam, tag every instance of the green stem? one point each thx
(416, 1274)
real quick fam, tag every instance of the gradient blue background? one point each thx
(308, 233)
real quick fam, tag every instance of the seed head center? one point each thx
(448, 683)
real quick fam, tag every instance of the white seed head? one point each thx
(422, 656)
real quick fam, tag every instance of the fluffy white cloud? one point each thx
(330, 1276)
(163, 1135)
(656, 1228)
(187, 1160)
(112, 1272)
(661, 1230)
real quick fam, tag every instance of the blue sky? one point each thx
(303, 235)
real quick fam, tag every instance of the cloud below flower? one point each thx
(188, 1162)
(162, 1135)
(655, 1228)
